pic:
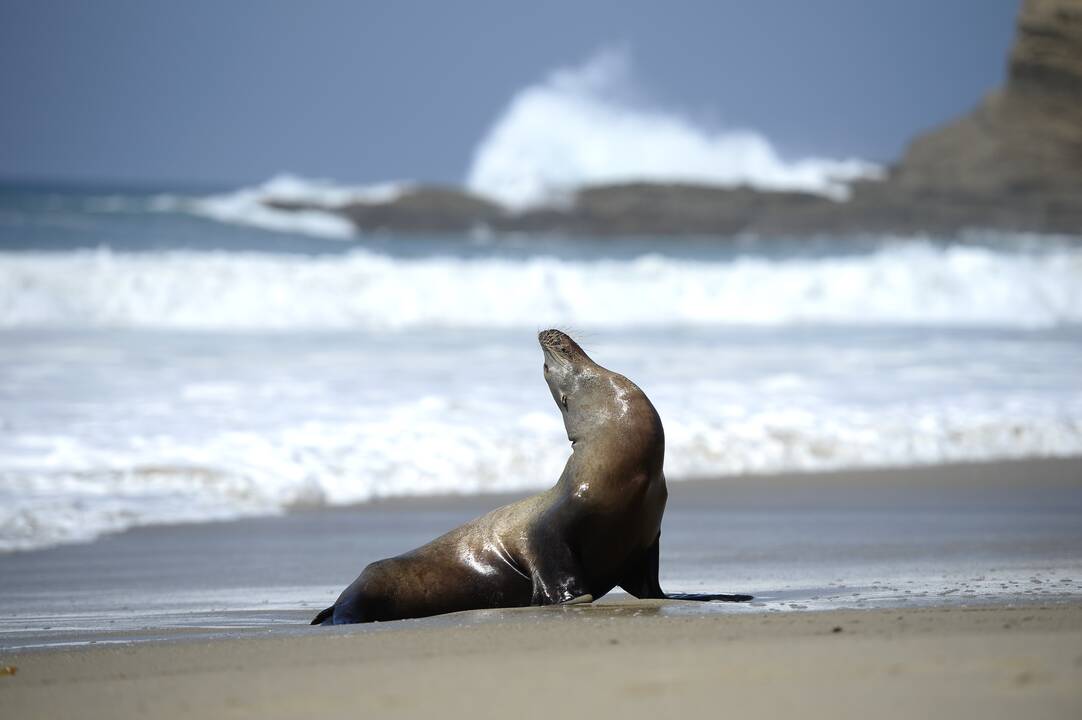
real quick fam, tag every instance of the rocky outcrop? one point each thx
(417, 209)
(1016, 160)
(656, 209)
(1013, 163)
(1046, 61)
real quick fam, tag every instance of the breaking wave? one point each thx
(906, 282)
(432, 447)
(253, 206)
(578, 127)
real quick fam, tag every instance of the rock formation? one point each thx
(1016, 160)
(1013, 163)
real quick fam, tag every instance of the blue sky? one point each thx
(223, 93)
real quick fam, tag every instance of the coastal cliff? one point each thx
(1016, 160)
(1013, 163)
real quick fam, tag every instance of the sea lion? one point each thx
(599, 527)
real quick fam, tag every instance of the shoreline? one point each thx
(1048, 471)
(1059, 471)
(991, 534)
(635, 658)
(939, 590)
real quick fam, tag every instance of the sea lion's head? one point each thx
(591, 399)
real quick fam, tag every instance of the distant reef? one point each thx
(1013, 163)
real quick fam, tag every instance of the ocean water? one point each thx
(956, 536)
(183, 357)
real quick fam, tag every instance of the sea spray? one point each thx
(585, 126)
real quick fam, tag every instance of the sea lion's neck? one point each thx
(630, 437)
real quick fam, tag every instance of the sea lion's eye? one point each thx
(563, 401)
(546, 367)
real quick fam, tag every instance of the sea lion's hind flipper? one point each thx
(580, 600)
(704, 597)
(325, 617)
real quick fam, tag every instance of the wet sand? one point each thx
(628, 659)
(957, 590)
(995, 533)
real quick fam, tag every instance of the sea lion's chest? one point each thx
(619, 517)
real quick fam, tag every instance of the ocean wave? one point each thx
(913, 282)
(424, 448)
(578, 128)
(252, 205)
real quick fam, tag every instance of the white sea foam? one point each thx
(911, 282)
(756, 364)
(112, 433)
(579, 128)
(321, 464)
(251, 206)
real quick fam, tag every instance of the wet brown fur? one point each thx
(597, 528)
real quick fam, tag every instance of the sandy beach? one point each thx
(627, 659)
(953, 590)
(958, 535)
(286, 293)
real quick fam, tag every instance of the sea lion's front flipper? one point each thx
(641, 581)
(562, 587)
(640, 576)
(554, 568)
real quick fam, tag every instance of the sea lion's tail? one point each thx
(325, 617)
(701, 597)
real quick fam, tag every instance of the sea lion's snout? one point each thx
(553, 339)
(562, 362)
(560, 345)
